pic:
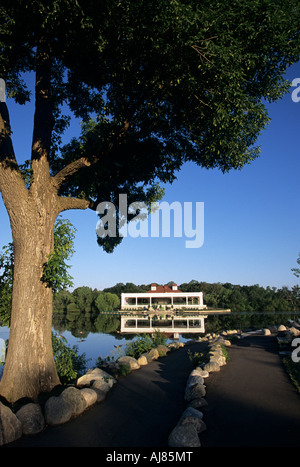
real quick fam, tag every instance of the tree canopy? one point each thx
(157, 83)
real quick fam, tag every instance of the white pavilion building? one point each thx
(163, 297)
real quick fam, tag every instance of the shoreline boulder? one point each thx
(194, 417)
(90, 396)
(31, 418)
(184, 436)
(194, 392)
(95, 374)
(130, 361)
(211, 366)
(10, 425)
(57, 411)
(75, 399)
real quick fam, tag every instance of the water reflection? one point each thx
(94, 334)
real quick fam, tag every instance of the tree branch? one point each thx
(12, 186)
(6, 148)
(83, 162)
(66, 203)
(69, 170)
(43, 116)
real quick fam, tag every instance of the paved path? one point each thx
(251, 402)
(140, 411)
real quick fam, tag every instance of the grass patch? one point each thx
(225, 353)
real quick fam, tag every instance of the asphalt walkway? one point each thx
(140, 410)
(251, 402)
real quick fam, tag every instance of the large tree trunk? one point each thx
(29, 367)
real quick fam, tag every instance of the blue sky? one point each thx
(251, 217)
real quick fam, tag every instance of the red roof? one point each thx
(163, 289)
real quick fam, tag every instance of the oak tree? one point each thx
(55, 273)
(156, 83)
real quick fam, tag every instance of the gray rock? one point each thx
(162, 350)
(194, 392)
(195, 417)
(142, 360)
(294, 331)
(75, 399)
(90, 396)
(175, 345)
(227, 343)
(95, 375)
(10, 425)
(184, 436)
(132, 362)
(211, 367)
(194, 379)
(152, 355)
(217, 358)
(32, 418)
(198, 403)
(102, 385)
(147, 357)
(200, 372)
(101, 395)
(57, 411)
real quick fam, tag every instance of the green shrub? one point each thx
(138, 346)
(124, 369)
(196, 358)
(69, 364)
(159, 338)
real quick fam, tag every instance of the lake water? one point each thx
(93, 345)
(89, 337)
(96, 344)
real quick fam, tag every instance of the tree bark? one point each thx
(30, 368)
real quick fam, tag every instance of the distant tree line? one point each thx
(239, 298)
(85, 300)
(246, 298)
